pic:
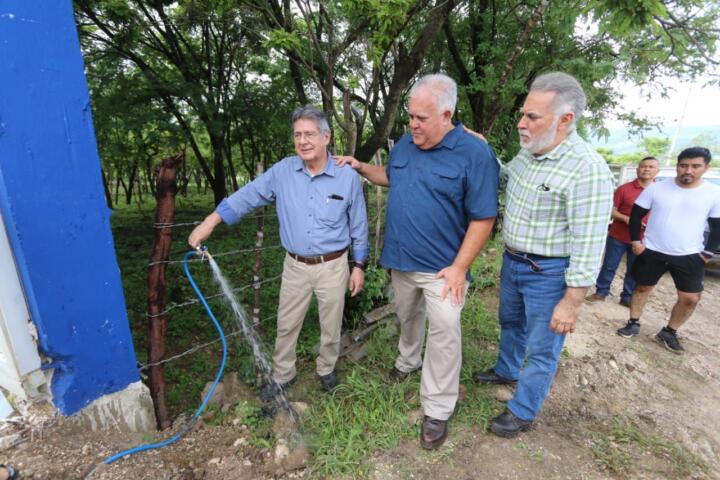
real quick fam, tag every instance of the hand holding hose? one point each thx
(203, 231)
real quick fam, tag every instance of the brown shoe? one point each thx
(399, 376)
(595, 298)
(433, 433)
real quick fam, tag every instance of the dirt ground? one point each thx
(619, 409)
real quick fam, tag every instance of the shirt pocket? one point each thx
(446, 181)
(546, 204)
(333, 212)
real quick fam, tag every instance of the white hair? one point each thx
(443, 88)
(569, 97)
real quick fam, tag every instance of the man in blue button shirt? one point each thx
(441, 207)
(321, 211)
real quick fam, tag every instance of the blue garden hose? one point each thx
(188, 427)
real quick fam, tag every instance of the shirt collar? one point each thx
(636, 183)
(330, 167)
(451, 138)
(560, 149)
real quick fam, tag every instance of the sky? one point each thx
(700, 103)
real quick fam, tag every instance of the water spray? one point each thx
(249, 334)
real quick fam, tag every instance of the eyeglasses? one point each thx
(307, 135)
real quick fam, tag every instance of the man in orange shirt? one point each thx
(618, 240)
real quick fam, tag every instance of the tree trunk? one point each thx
(108, 195)
(157, 294)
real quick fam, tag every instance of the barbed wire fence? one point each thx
(191, 301)
(159, 309)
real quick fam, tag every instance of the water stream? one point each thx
(243, 322)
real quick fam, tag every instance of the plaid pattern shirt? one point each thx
(558, 205)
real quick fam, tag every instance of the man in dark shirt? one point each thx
(440, 210)
(618, 240)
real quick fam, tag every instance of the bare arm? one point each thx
(616, 215)
(567, 310)
(477, 234)
(374, 173)
(204, 230)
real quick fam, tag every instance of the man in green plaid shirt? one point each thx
(558, 202)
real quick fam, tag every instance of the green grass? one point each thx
(617, 447)
(368, 413)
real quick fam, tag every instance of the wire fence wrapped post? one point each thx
(157, 292)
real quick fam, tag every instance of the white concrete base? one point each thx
(130, 410)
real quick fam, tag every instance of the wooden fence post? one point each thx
(157, 294)
(258, 258)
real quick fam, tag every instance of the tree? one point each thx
(191, 54)
(495, 50)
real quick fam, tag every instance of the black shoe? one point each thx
(670, 341)
(397, 375)
(489, 376)
(329, 381)
(507, 425)
(433, 433)
(630, 330)
(625, 302)
(272, 389)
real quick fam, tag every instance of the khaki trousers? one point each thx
(329, 282)
(416, 294)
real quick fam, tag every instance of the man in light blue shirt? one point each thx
(321, 211)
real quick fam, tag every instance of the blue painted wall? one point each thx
(51, 198)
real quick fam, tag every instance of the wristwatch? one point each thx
(361, 265)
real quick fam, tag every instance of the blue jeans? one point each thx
(614, 250)
(527, 300)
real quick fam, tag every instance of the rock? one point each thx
(613, 364)
(503, 393)
(213, 461)
(247, 463)
(583, 381)
(415, 417)
(300, 407)
(295, 459)
(240, 442)
(358, 352)
(281, 452)
(217, 396)
(9, 441)
(234, 390)
(284, 425)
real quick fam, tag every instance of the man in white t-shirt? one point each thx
(674, 241)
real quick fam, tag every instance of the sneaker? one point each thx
(595, 298)
(625, 302)
(630, 330)
(670, 341)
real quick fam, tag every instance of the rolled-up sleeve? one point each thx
(589, 203)
(358, 222)
(258, 193)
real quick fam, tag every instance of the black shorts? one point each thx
(687, 271)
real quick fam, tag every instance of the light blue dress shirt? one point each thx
(317, 214)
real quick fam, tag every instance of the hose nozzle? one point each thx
(202, 251)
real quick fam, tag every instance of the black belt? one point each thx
(320, 258)
(531, 256)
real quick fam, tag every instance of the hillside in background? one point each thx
(621, 142)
